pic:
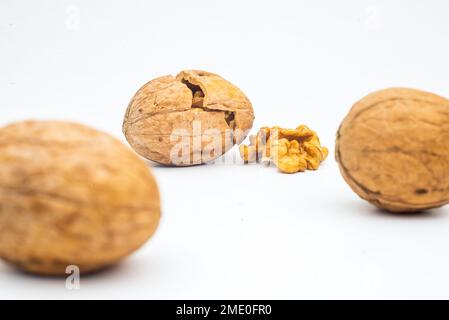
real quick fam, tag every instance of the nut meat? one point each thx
(196, 113)
(393, 149)
(71, 195)
(291, 150)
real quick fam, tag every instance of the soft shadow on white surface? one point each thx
(362, 207)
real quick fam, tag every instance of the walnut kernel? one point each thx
(291, 150)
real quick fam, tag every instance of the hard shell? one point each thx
(393, 149)
(71, 195)
(163, 111)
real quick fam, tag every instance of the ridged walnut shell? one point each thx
(71, 195)
(393, 149)
(164, 110)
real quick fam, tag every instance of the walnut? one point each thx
(71, 195)
(189, 119)
(258, 148)
(291, 150)
(288, 157)
(393, 149)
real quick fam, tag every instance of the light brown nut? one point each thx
(301, 133)
(197, 109)
(288, 157)
(248, 153)
(291, 150)
(393, 149)
(292, 164)
(71, 195)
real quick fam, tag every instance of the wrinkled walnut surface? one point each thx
(291, 150)
(393, 149)
(172, 103)
(71, 195)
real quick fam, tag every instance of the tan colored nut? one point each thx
(256, 150)
(71, 195)
(314, 152)
(291, 150)
(195, 109)
(287, 156)
(301, 133)
(393, 149)
(248, 153)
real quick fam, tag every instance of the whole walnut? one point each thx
(393, 149)
(71, 195)
(189, 119)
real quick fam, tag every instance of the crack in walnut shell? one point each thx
(291, 150)
(393, 149)
(71, 195)
(168, 105)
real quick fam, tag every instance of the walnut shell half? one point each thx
(71, 195)
(189, 119)
(393, 149)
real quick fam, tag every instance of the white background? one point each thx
(235, 231)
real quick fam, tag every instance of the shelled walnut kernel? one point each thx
(291, 150)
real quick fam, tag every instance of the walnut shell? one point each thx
(196, 109)
(393, 149)
(71, 195)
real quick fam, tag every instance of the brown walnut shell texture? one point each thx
(172, 103)
(393, 149)
(71, 195)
